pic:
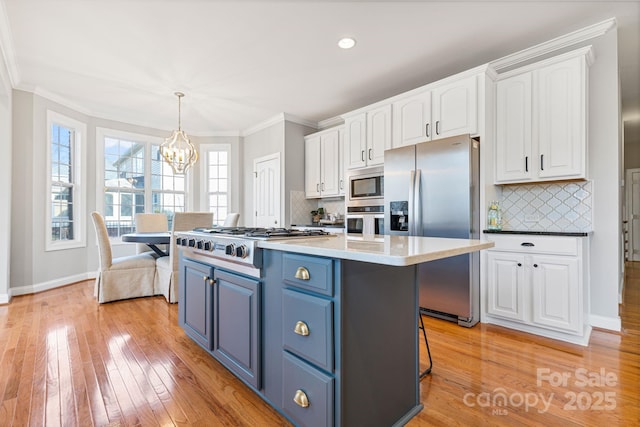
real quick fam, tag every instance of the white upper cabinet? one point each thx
(367, 135)
(541, 120)
(412, 119)
(312, 166)
(561, 91)
(341, 166)
(455, 108)
(322, 164)
(513, 134)
(356, 140)
(378, 134)
(443, 110)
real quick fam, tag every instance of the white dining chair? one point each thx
(149, 222)
(166, 281)
(124, 277)
(231, 220)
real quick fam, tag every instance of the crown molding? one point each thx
(586, 51)
(278, 118)
(6, 47)
(299, 120)
(567, 40)
(330, 122)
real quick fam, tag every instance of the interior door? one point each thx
(266, 191)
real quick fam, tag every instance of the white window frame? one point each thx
(79, 180)
(147, 140)
(204, 175)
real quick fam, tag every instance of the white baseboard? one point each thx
(52, 284)
(5, 298)
(603, 322)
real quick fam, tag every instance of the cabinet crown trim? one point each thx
(556, 44)
(586, 51)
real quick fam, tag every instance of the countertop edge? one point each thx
(541, 233)
(310, 247)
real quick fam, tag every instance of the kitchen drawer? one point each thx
(307, 324)
(314, 273)
(302, 381)
(555, 245)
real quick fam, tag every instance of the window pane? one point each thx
(61, 208)
(217, 181)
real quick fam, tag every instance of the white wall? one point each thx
(5, 178)
(263, 142)
(605, 147)
(33, 269)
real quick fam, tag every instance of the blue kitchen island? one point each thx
(323, 329)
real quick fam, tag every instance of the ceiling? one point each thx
(242, 62)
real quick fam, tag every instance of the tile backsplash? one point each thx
(301, 207)
(548, 207)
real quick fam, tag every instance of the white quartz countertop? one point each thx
(388, 250)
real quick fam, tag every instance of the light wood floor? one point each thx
(65, 360)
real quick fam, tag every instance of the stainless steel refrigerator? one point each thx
(432, 189)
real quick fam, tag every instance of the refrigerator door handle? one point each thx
(412, 201)
(417, 205)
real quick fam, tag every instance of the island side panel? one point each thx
(272, 328)
(378, 344)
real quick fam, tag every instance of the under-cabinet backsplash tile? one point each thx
(301, 207)
(548, 207)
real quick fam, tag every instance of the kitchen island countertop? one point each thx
(379, 249)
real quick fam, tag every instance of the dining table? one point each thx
(151, 239)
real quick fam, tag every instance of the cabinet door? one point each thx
(342, 160)
(561, 112)
(356, 140)
(378, 134)
(506, 285)
(513, 129)
(557, 295)
(412, 120)
(455, 108)
(312, 166)
(330, 163)
(237, 343)
(196, 302)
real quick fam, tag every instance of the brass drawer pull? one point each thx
(301, 399)
(302, 273)
(301, 328)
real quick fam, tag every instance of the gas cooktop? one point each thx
(237, 246)
(261, 233)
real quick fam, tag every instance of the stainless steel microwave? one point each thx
(366, 185)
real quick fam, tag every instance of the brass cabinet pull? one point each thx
(302, 273)
(301, 328)
(301, 399)
(208, 281)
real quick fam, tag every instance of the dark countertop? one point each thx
(541, 233)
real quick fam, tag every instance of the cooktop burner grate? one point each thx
(261, 233)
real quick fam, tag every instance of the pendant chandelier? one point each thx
(177, 150)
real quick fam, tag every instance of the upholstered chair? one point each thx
(124, 277)
(150, 222)
(166, 281)
(231, 220)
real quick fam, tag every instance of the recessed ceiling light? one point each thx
(346, 43)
